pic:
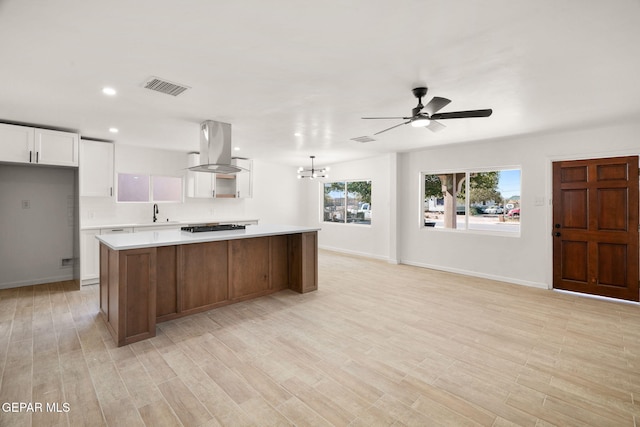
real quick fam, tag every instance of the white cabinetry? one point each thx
(96, 168)
(53, 147)
(116, 230)
(157, 227)
(16, 142)
(24, 144)
(244, 181)
(199, 184)
(89, 257)
(90, 253)
(207, 185)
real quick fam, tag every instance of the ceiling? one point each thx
(294, 78)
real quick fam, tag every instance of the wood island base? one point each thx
(141, 287)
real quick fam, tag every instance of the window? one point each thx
(133, 188)
(347, 202)
(492, 204)
(167, 189)
(145, 188)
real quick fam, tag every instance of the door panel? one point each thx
(612, 209)
(612, 265)
(576, 255)
(574, 174)
(612, 172)
(575, 214)
(595, 213)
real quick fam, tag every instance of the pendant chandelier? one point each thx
(313, 172)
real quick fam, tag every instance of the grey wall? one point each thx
(34, 240)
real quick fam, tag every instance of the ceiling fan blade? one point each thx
(436, 104)
(392, 127)
(435, 126)
(385, 118)
(462, 114)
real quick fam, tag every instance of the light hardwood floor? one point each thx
(378, 344)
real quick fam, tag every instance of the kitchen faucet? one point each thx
(155, 211)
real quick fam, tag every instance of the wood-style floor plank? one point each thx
(377, 345)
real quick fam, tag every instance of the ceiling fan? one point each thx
(426, 115)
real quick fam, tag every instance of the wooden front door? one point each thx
(595, 227)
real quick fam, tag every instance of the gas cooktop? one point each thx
(211, 227)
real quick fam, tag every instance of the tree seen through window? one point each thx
(347, 202)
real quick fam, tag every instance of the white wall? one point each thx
(395, 234)
(374, 240)
(526, 259)
(275, 194)
(35, 240)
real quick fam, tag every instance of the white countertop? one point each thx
(147, 239)
(170, 223)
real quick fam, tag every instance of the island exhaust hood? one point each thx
(215, 149)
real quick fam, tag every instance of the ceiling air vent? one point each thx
(363, 139)
(164, 86)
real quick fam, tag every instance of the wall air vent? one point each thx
(164, 86)
(363, 139)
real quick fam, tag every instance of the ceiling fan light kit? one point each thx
(421, 122)
(312, 173)
(426, 115)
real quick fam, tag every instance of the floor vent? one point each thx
(164, 86)
(363, 139)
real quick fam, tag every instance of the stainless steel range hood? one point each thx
(215, 148)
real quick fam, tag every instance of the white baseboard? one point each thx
(481, 275)
(36, 281)
(440, 268)
(357, 253)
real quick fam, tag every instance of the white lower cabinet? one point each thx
(158, 226)
(89, 257)
(90, 253)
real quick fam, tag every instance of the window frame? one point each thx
(346, 182)
(150, 181)
(467, 172)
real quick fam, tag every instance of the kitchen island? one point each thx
(154, 276)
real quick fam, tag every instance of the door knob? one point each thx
(557, 226)
(557, 234)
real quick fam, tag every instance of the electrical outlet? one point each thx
(26, 204)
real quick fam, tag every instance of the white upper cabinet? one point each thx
(218, 185)
(16, 143)
(24, 144)
(244, 186)
(199, 184)
(96, 168)
(53, 147)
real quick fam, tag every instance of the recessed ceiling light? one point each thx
(113, 130)
(237, 148)
(297, 134)
(109, 91)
